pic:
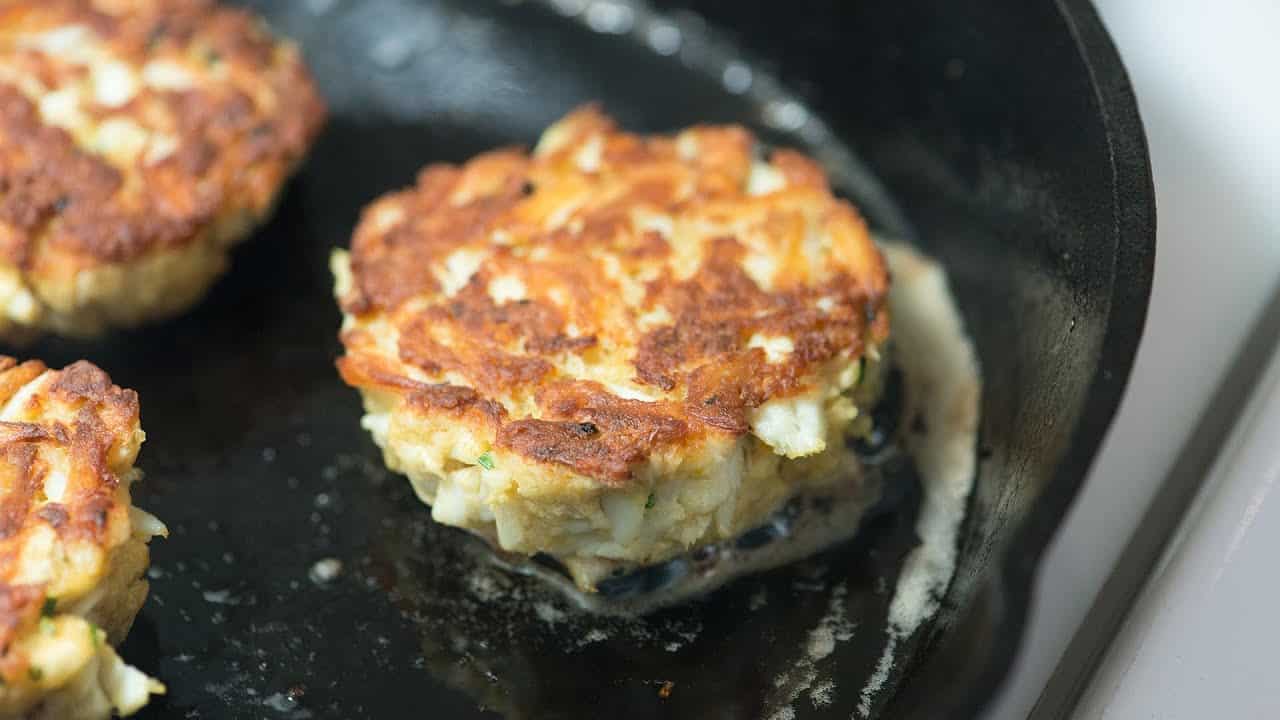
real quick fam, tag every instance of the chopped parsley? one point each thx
(485, 461)
(649, 502)
(36, 673)
(50, 604)
(94, 637)
(156, 36)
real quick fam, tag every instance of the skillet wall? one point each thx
(1008, 136)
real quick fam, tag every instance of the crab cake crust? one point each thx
(617, 347)
(72, 547)
(139, 140)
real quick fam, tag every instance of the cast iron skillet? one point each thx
(1001, 137)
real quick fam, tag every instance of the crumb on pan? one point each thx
(615, 347)
(139, 140)
(73, 549)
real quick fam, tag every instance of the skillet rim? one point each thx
(1134, 236)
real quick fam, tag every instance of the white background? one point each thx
(1207, 75)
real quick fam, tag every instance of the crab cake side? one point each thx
(617, 347)
(73, 549)
(139, 140)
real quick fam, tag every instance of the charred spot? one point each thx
(61, 203)
(561, 343)
(711, 400)
(81, 380)
(621, 432)
(527, 188)
(54, 514)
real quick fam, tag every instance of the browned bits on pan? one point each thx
(655, 289)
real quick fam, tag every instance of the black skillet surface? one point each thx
(1007, 136)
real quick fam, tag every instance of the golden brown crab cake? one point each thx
(73, 549)
(617, 347)
(139, 140)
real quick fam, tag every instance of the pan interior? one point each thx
(256, 462)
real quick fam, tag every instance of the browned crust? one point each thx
(77, 414)
(65, 206)
(547, 220)
(587, 428)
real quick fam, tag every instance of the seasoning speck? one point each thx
(326, 570)
(219, 597)
(485, 461)
(664, 691)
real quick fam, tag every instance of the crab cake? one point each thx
(72, 547)
(139, 140)
(618, 347)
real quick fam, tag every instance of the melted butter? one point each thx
(943, 387)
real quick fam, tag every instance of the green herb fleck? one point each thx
(156, 35)
(35, 673)
(46, 626)
(485, 461)
(50, 605)
(94, 637)
(649, 502)
(212, 57)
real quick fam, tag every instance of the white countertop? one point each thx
(1205, 75)
(1200, 641)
